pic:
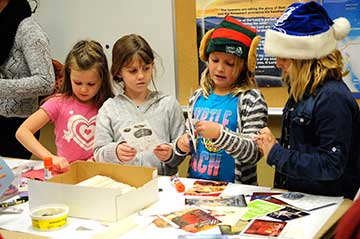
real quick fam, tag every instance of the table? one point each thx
(138, 225)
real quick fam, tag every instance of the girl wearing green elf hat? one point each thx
(228, 109)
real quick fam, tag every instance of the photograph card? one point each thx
(262, 195)
(308, 202)
(288, 213)
(191, 220)
(230, 201)
(265, 228)
(206, 188)
(227, 215)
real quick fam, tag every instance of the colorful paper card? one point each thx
(259, 208)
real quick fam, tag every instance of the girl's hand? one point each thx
(60, 164)
(208, 129)
(183, 143)
(125, 152)
(163, 152)
(265, 140)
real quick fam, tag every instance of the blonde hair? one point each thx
(245, 79)
(306, 75)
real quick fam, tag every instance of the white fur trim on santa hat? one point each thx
(341, 28)
(279, 44)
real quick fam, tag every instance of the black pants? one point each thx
(9, 146)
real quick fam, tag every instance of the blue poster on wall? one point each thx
(350, 46)
(261, 14)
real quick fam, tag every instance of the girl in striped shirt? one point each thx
(228, 109)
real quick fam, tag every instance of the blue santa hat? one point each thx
(305, 31)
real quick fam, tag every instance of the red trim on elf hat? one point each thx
(234, 21)
(233, 35)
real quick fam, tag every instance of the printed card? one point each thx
(266, 228)
(206, 188)
(227, 215)
(258, 208)
(267, 196)
(234, 201)
(287, 213)
(191, 220)
(308, 202)
(233, 229)
(140, 136)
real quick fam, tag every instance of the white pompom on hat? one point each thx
(305, 31)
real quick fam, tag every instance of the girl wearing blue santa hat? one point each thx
(317, 150)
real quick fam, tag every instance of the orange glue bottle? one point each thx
(48, 167)
(179, 186)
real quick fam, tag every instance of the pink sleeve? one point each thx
(52, 107)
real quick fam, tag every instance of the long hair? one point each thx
(245, 79)
(86, 55)
(127, 49)
(308, 75)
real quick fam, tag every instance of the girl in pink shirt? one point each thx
(73, 111)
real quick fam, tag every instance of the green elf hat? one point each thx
(233, 37)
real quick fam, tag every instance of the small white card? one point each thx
(140, 136)
(189, 124)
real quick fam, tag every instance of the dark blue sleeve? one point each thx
(327, 158)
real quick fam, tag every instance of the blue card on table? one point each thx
(9, 176)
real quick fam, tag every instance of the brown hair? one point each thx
(128, 48)
(85, 55)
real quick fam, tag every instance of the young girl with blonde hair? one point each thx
(317, 152)
(228, 107)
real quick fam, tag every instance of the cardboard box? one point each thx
(103, 204)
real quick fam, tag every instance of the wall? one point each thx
(68, 21)
(187, 72)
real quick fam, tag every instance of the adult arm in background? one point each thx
(34, 44)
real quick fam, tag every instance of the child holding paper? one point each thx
(136, 106)
(228, 107)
